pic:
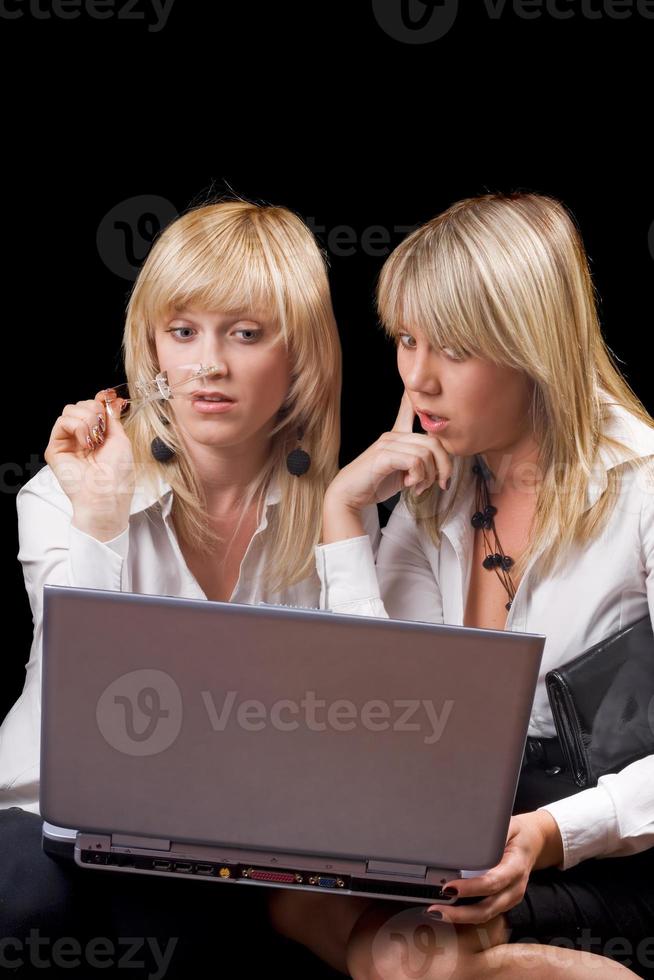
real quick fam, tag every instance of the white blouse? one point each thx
(601, 589)
(144, 558)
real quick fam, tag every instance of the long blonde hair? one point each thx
(230, 255)
(505, 277)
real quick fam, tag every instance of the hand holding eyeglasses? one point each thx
(91, 456)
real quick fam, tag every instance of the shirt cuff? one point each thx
(97, 564)
(588, 823)
(347, 572)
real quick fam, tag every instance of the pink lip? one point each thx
(210, 391)
(211, 408)
(423, 411)
(430, 426)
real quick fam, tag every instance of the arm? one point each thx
(53, 550)
(616, 817)
(399, 582)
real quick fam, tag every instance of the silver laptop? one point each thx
(278, 746)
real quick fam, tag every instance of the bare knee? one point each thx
(289, 911)
(321, 922)
(390, 944)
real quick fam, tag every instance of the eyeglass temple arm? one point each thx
(153, 391)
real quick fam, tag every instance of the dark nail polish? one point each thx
(450, 892)
(449, 482)
(435, 915)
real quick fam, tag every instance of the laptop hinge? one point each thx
(151, 843)
(395, 868)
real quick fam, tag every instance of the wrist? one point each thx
(341, 519)
(550, 852)
(97, 526)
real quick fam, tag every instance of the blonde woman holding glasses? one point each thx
(202, 476)
(526, 502)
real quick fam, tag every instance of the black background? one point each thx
(317, 107)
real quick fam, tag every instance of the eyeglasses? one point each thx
(175, 382)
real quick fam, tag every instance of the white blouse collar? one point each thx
(159, 490)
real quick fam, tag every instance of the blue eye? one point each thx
(257, 333)
(245, 330)
(448, 351)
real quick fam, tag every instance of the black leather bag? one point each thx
(603, 703)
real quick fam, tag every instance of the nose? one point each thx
(422, 374)
(213, 355)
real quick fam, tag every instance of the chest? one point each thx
(217, 574)
(485, 605)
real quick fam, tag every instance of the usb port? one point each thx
(183, 866)
(161, 865)
(204, 869)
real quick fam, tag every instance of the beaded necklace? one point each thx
(483, 518)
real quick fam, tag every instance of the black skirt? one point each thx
(603, 905)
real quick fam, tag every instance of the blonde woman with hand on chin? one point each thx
(536, 452)
(213, 493)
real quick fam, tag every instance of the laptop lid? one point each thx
(276, 728)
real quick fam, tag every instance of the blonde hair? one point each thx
(231, 255)
(505, 277)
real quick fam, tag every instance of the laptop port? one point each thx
(281, 877)
(95, 857)
(405, 889)
(183, 866)
(204, 869)
(161, 865)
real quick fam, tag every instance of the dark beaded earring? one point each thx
(483, 518)
(298, 460)
(160, 451)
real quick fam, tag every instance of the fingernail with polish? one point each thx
(450, 892)
(435, 913)
(449, 483)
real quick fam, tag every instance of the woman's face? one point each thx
(488, 406)
(252, 371)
